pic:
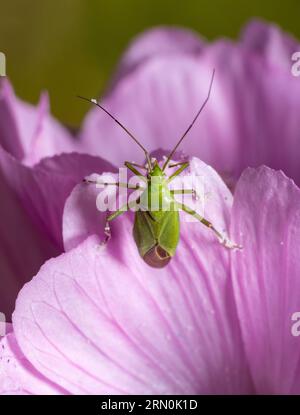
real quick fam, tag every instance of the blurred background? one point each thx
(72, 46)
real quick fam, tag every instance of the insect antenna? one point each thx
(193, 122)
(94, 101)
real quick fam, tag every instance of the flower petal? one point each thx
(30, 133)
(158, 41)
(270, 42)
(266, 219)
(81, 217)
(17, 375)
(99, 320)
(23, 248)
(53, 176)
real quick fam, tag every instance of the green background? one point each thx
(72, 46)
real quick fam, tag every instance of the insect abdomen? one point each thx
(156, 240)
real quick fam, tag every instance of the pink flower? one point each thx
(100, 321)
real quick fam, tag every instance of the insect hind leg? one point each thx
(223, 239)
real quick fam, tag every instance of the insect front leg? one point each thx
(118, 184)
(132, 163)
(180, 163)
(184, 165)
(131, 167)
(221, 237)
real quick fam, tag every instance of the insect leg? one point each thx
(184, 192)
(109, 218)
(118, 212)
(131, 167)
(118, 184)
(122, 210)
(170, 166)
(132, 163)
(192, 192)
(184, 166)
(221, 237)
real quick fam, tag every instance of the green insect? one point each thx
(156, 230)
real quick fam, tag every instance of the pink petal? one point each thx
(158, 41)
(266, 276)
(99, 320)
(270, 42)
(53, 176)
(17, 375)
(81, 217)
(23, 248)
(30, 133)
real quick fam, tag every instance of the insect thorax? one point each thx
(157, 197)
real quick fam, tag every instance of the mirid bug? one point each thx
(155, 230)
